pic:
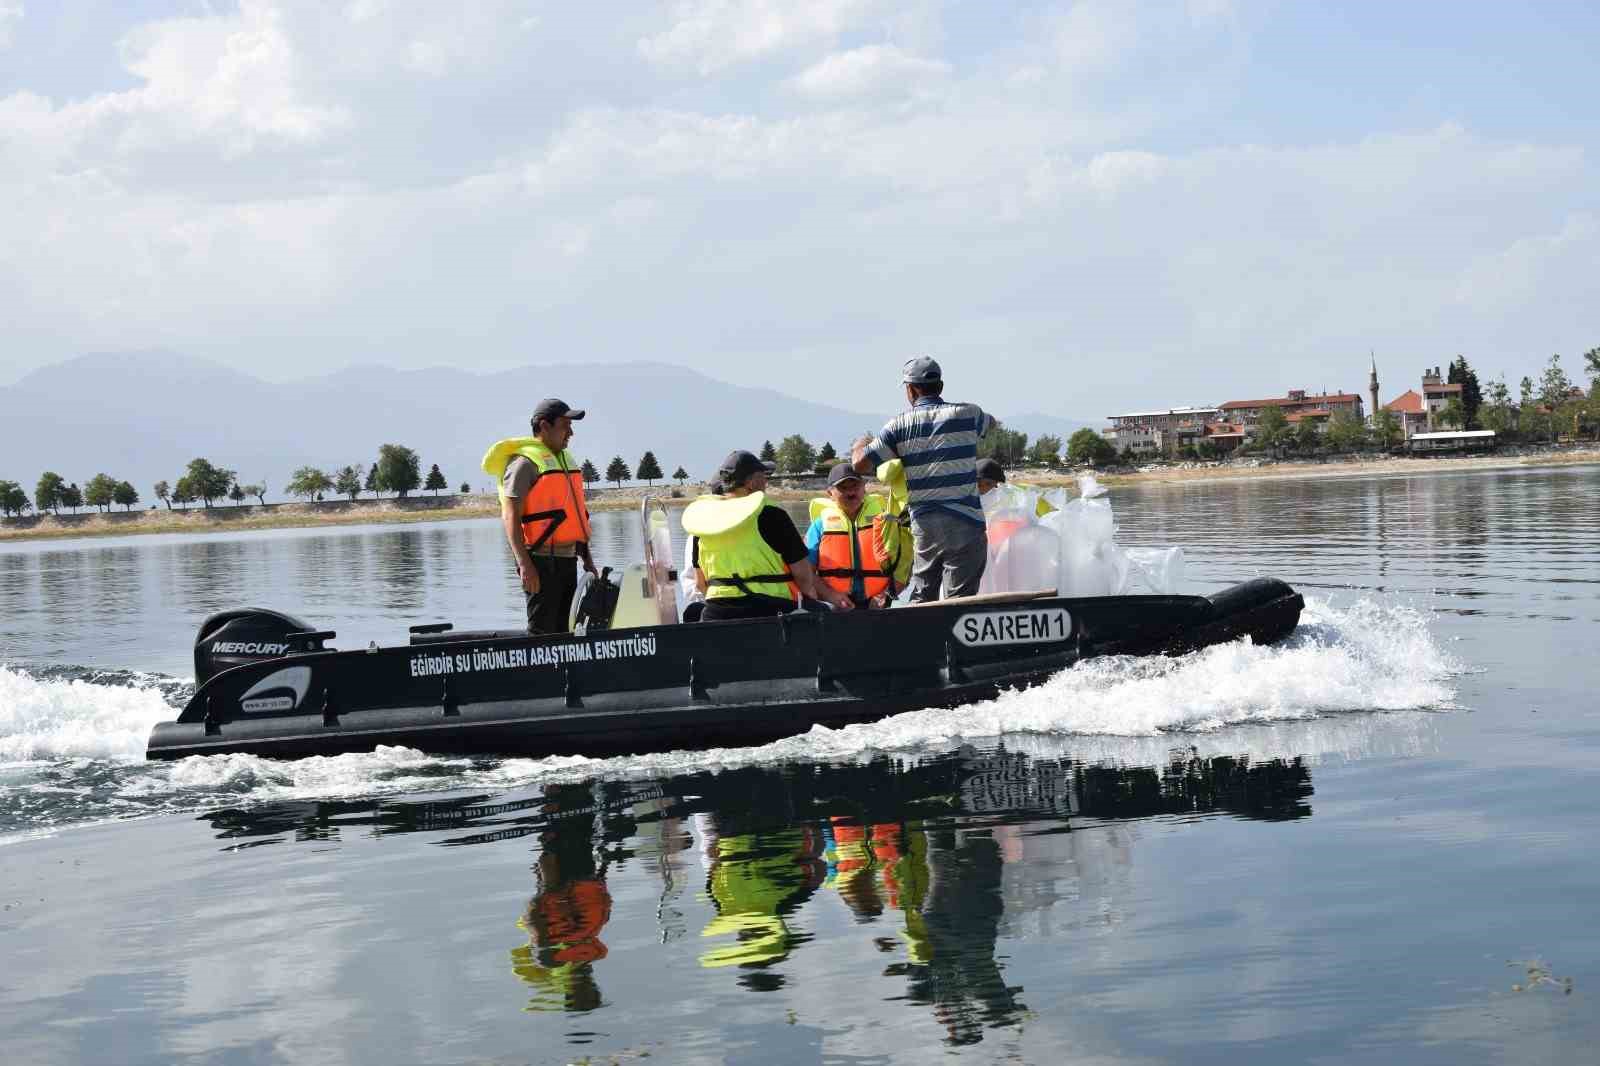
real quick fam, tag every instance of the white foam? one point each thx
(1369, 656)
(387, 770)
(50, 719)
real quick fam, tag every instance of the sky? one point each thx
(1079, 208)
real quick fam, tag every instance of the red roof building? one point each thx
(1297, 404)
(1411, 412)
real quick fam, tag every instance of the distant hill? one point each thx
(142, 416)
(1037, 425)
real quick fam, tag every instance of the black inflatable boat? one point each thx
(267, 684)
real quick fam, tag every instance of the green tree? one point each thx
(680, 475)
(826, 454)
(1453, 414)
(183, 493)
(1497, 412)
(236, 493)
(436, 480)
(372, 484)
(258, 490)
(590, 474)
(1345, 429)
(649, 470)
(125, 494)
(307, 482)
(1306, 436)
(1087, 446)
(163, 493)
(208, 481)
(1046, 451)
(47, 493)
(99, 491)
(1528, 420)
(466, 489)
(769, 454)
(1272, 426)
(1555, 394)
(399, 469)
(13, 498)
(796, 455)
(1591, 364)
(1386, 428)
(72, 497)
(618, 471)
(1005, 446)
(347, 481)
(1471, 395)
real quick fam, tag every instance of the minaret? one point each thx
(1372, 387)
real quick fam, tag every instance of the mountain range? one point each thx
(141, 416)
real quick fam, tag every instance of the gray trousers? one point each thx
(950, 552)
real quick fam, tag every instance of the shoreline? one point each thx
(251, 517)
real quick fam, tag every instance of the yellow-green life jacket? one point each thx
(733, 556)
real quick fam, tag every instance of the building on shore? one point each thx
(1464, 440)
(1298, 406)
(1436, 394)
(1409, 412)
(1151, 433)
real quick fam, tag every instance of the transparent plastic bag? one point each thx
(1161, 570)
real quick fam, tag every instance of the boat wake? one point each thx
(72, 740)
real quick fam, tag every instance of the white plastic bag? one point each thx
(1022, 554)
(1161, 570)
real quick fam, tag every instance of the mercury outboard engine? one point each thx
(233, 638)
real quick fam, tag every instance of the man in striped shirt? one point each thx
(937, 441)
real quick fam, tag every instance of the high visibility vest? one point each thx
(554, 513)
(845, 551)
(893, 544)
(734, 558)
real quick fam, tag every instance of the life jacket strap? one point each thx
(743, 583)
(555, 518)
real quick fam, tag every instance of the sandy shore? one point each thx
(455, 507)
(1312, 469)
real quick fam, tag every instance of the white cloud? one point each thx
(11, 13)
(708, 36)
(318, 183)
(868, 70)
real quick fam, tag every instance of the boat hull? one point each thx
(710, 684)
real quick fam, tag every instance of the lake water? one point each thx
(1372, 843)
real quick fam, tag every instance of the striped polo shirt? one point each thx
(938, 443)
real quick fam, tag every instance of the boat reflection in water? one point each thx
(937, 860)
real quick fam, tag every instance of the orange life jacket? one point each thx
(846, 548)
(554, 513)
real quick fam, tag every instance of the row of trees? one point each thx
(1540, 410)
(618, 471)
(53, 492)
(397, 470)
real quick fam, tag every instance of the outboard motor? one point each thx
(233, 638)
